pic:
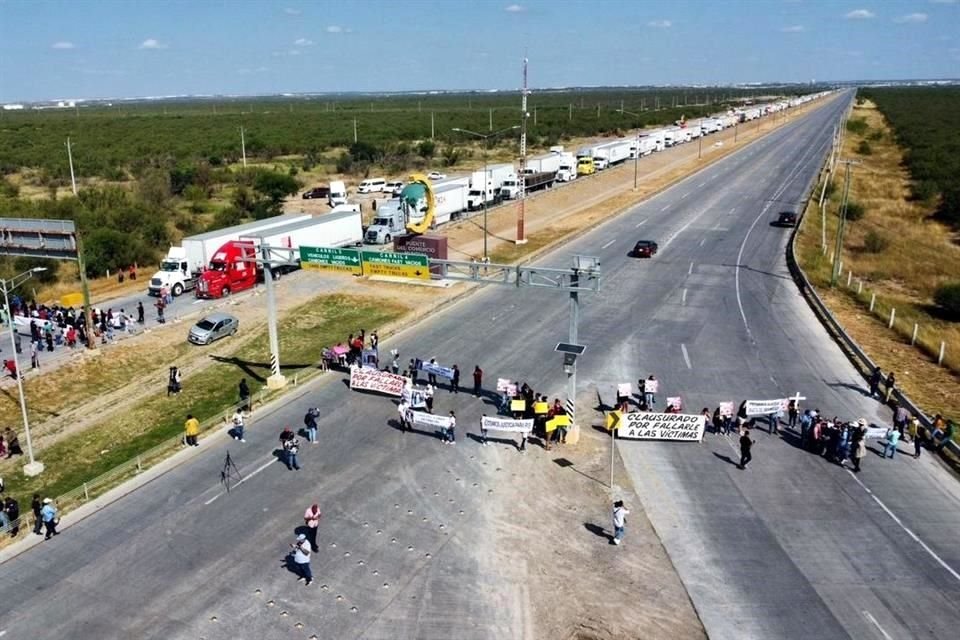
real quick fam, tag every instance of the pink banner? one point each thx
(374, 380)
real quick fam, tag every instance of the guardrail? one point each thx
(855, 353)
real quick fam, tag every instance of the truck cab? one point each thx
(174, 274)
(338, 193)
(389, 223)
(230, 270)
(585, 166)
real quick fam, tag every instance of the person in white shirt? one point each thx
(405, 417)
(301, 559)
(238, 425)
(620, 513)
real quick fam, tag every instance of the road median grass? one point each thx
(322, 322)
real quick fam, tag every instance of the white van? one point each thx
(372, 185)
(338, 193)
(394, 188)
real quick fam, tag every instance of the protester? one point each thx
(745, 445)
(620, 514)
(900, 418)
(428, 397)
(311, 518)
(455, 380)
(310, 422)
(875, 379)
(36, 506)
(450, 437)
(191, 430)
(432, 377)
(13, 443)
(649, 397)
(12, 509)
(140, 312)
(238, 425)
(174, 379)
(859, 448)
(50, 519)
(792, 414)
(244, 392)
(891, 384)
(291, 447)
(890, 447)
(915, 431)
(477, 380)
(945, 436)
(301, 559)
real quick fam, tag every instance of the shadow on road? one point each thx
(598, 531)
(847, 385)
(726, 458)
(253, 369)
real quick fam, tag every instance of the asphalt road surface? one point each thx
(792, 547)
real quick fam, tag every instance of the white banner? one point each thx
(415, 397)
(676, 402)
(437, 370)
(506, 424)
(876, 432)
(380, 381)
(429, 420)
(651, 386)
(726, 409)
(766, 407)
(625, 390)
(661, 426)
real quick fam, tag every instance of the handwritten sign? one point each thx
(661, 426)
(766, 407)
(726, 409)
(518, 405)
(437, 370)
(676, 402)
(556, 422)
(651, 386)
(422, 419)
(416, 397)
(625, 390)
(506, 424)
(379, 381)
(541, 408)
(503, 384)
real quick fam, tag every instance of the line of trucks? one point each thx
(501, 182)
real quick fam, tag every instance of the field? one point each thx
(897, 250)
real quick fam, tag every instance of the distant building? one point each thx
(13, 107)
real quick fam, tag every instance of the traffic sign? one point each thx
(613, 420)
(401, 265)
(331, 259)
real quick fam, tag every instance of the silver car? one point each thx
(213, 327)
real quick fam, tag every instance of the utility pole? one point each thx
(521, 182)
(354, 130)
(73, 178)
(490, 121)
(243, 148)
(570, 113)
(843, 220)
(636, 153)
(431, 126)
(700, 144)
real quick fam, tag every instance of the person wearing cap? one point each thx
(859, 444)
(301, 559)
(50, 520)
(311, 518)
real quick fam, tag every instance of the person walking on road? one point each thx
(244, 392)
(451, 434)
(890, 448)
(191, 429)
(891, 384)
(311, 518)
(792, 414)
(140, 313)
(455, 380)
(859, 448)
(915, 431)
(405, 418)
(238, 425)
(291, 447)
(431, 376)
(650, 398)
(875, 379)
(746, 444)
(310, 422)
(620, 514)
(301, 559)
(477, 380)
(36, 505)
(50, 519)
(428, 397)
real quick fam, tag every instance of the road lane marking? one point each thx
(640, 224)
(702, 240)
(243, 479)
(701, 184)
(200, 301)
(608, 244)
(686, 356)
(873, 621)
(690, 270)
(910, 533)
(665, 207)
(683, 298)
(684, 195)
(732, 211)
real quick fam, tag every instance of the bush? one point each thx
(344, 163)
(874, 242)
(110, 249)
(855, 210)
(947, 297)
(451, 156)
(864, 148)
(876, 136)
(24, 263)
(924, 191)
(426, 149)
(949, 209)
(858, 126)
(8, 189)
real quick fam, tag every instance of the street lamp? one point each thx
(486, 184)
(636, 154)
(33, 467)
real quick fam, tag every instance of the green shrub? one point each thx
(855, 210)
(858, 126)
(876, 136)
(864, 148)
(947, 297)
(874, 242)
(949, 209)
(8, 189)
(924, 190)
(49, 276)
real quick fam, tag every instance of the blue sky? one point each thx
(96, 48)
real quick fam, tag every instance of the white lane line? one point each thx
(640, 224)
(910, 533)
(684, 195)
(608, 244)
(702, 240)
(701, 184)
(732, 211)
(686, 356)
(244, 479)
(201, 301)
(665, 207)
(690, 270)
(683, 298)
(873, 621)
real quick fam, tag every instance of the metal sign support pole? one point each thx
(276, 379)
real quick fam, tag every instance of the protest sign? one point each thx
(661, 426)
(421, 419)
(876, 432)
(437, 370)
(676, 402)
(766, 407)
(415, 397)
(506, 424)
(726, 409)
(370, 358)
(379, 381)
(518, 405)
(556, 422)
(541, 408)
(625, 390)
(651, 386)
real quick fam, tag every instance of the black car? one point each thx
(644, 249)
(316, 193)
(787, 219)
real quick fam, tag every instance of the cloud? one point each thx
(63, 44)
(860, 14)
(303, 42)
(911, 18)
(152, 43)
(335, 29)
(290, 11)
(660, 24)
(796, 28)
(514, 8)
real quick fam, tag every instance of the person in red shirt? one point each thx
(477, 380)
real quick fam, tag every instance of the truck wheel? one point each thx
(225, 292)
(177, 289)
(387, 239)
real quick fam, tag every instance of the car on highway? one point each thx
(787, 219)
(436, 175)
(213, 327)
(644, 249)
(316, 193)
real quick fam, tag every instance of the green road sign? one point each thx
(402, 265)
(331, 259)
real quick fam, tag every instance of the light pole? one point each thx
(835, 275)
(33, 467)
(486, 182)
(636, 154)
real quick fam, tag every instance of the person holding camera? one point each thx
(290, 448)
(301, 559)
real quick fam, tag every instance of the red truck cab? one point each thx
(231, 269)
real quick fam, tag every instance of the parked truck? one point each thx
(585, 166)
(393, 216)
(233, 266)
(338, 193)
(614, 152)
(546, 163)
(485, 185)
(531, 182)
(568, 167)
(183, 265)
(674, 136)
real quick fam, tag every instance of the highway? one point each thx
(792, 547)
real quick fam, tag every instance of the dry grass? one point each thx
(920, 255)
